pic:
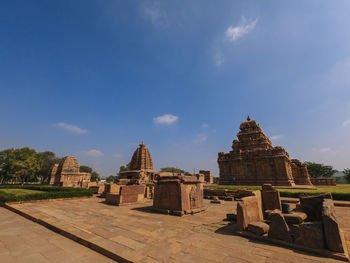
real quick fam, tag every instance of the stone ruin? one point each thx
(178, 195)
(312, 226)
(208, 178)
(126, 194)
(67, 173)
(141, 167)
(254, 161)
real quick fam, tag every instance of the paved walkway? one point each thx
(135, 233)
(22, 241)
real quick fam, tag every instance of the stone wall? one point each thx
(324, 181)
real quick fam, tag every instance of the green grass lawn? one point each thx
(339, 192)
(16, 193)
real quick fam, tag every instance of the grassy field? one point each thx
(16, 193)
(339, 192)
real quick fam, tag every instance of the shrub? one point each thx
(46, 192)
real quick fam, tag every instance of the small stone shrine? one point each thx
(127, 194)
(67, 173)
(141, 167)
(254, 161)
(178, 195)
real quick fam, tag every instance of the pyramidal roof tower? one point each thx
(141, 159)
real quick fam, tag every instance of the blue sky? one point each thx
(95, 78)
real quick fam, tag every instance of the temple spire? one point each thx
(248, 119)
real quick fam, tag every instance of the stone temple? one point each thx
(141, 167)
(254, 161)
(67, 173)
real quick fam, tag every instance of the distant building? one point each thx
(67, 173)
(254, 161)
(141, 167)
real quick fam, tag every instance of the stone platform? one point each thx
(136, 234)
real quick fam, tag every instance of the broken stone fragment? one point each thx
(278, 228)
(333, 235)
(312, 205)
(308, 234)
(295, 217)
(258, 228)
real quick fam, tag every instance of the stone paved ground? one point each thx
(139, 235)
(22, 241)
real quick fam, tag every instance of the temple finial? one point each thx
(248, 119)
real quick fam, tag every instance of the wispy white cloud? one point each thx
(204, 125)
(276, 137)
(244, 27)
(70, 127)
(165, 119)
(346, 123)
(93, 153)
(155, 15)
(200, 138)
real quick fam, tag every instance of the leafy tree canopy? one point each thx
(111, 179)
(346, 173)
(87, 169)
(318, 170)
(173, 170)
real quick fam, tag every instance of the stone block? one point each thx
(333, 234)
(295, 217)
(248, 212)
(278, 228)
(178, 194)
(308, 234)
(127, 194)
(312, 205)
(258, 228)
(270, 198)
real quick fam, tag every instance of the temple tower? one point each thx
(141, 159)
(254, 161)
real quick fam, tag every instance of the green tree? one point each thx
(48, 159)
(346, 173)
(87, 169)
(318, 170)
(6, 158)
(26, 165)
(173, 170)
(124, 168)
(111, 179)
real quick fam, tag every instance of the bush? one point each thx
(47, 192)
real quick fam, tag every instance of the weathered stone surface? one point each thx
(258, 228)
(178, 194)
(270, 198)
(127, 194)
(295, 217)
(254, 161)
(209, 179)
(333, 235)
(308, 234)
(278, 228)
(312, 205)
(247, 212)
(67, 173)
(231, 217)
